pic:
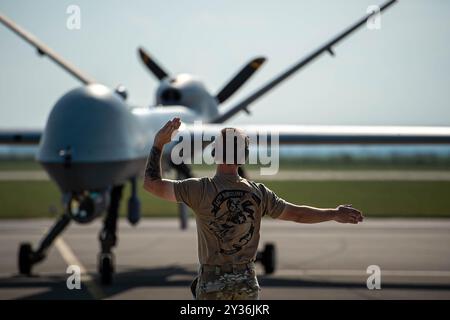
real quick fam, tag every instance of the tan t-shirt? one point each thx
(228, 211)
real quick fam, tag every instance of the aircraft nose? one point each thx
(89, 140)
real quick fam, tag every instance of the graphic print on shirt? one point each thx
(234, 219)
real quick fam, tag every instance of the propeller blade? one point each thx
(151, 64)
(239, 79)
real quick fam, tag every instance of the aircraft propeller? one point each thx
(184, 171)
(154, 68)
(226, 92)
(239, 79)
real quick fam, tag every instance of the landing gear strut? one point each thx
(106, 267)
(108, 237)
(28, 257)
(268, 258)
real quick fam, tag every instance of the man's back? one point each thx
(228, 212)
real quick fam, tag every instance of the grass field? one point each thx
(19, 165)
(29, 199)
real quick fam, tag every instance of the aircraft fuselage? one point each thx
(94, 140)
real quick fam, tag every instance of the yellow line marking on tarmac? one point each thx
(71, 259)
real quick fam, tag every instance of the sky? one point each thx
(397, 75)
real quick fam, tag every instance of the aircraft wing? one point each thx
(325, 48)
(25, 136)
(44, 50)
(294, 134)
(312, 134)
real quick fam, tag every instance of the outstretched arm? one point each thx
(305, 214)
(153, 181)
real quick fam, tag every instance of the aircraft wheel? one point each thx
(106, 268)
(268, 258)
(25, 258)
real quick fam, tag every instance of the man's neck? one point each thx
(227, 169)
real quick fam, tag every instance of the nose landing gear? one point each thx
(108, 238)
(27, 257)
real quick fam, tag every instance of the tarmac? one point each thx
(156, 260)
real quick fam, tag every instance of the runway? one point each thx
(286, 175)
(155, 260)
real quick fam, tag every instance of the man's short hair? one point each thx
(231, 147)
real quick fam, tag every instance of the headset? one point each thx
(235, 135)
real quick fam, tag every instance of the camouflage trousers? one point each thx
(238, 283)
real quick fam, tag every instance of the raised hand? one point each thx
(164, 135)
(347, 214)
